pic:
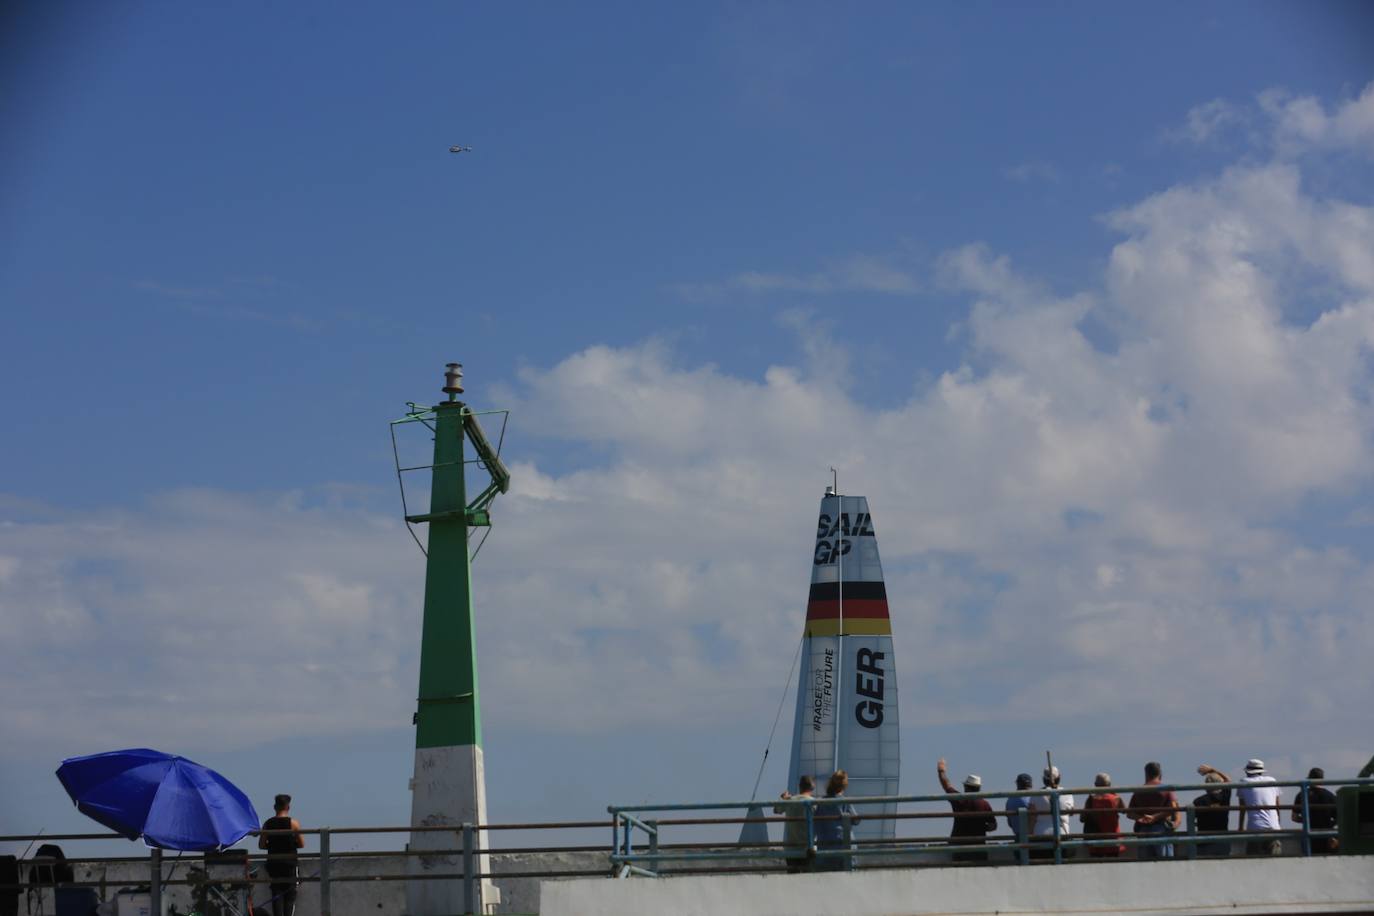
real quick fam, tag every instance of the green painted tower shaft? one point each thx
(448, 713)
(449, 785)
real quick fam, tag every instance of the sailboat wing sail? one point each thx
(846, 714)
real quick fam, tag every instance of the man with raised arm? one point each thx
(1212, 812)
(973, 817)
(1042, 816)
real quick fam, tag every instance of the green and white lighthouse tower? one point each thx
(449, 786)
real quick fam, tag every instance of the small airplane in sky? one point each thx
(460, 149)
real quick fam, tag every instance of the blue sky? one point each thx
(1079, 294)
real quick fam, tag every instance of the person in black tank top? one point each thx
(282, 855)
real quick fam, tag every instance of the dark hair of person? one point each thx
(838, 781)
(1153, 770)
(281, 802)
(806, 783)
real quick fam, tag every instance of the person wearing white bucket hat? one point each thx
(1259, 809)
(973, 817)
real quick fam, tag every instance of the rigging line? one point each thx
(479, 543)
(416, 537)
(501, 440)
(785, 688)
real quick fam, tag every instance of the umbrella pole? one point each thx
(155, 886)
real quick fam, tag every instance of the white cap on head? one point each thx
(1254, 765)
(1050, 775)
(973, 781)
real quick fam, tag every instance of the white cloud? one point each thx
(1032, 171)
(1303, 122)
(1069, 530)
(856, 273)
(1207, 122)
(203, 617)
(1291, 125)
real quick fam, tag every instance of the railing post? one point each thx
(245, 893)
(846, 832)
(1190, 817)
(810, 829)
(615, 833)
(324, 871)
(1306, 791)
(469, 860)
(155, 883)
(1023, 834)
(1054, 812)
(653, 842)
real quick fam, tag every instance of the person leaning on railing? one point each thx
(831, 824)
(1155, 811)
(800, 856)
(1101, 819)
(1259, 809)
(1042, 817)
(1321, 808)
(1212, 813)
(1015, 804)
(282, 855)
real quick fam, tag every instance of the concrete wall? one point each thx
(1336, 884)
(1328, 884)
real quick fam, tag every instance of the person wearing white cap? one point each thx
(1259, 809)
(1042, 822)
(973, 817)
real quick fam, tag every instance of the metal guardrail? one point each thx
(637, 846)
(159, 878)
(1056, 846)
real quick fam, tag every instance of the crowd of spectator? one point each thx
(1154, 812)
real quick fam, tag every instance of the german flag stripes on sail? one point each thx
(860, 609)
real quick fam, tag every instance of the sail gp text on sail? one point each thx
(828, 551)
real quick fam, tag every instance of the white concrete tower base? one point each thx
(450, 790)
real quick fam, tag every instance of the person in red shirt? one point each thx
(970, 829)
(1101, 819)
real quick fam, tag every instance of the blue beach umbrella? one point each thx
(170, 801)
